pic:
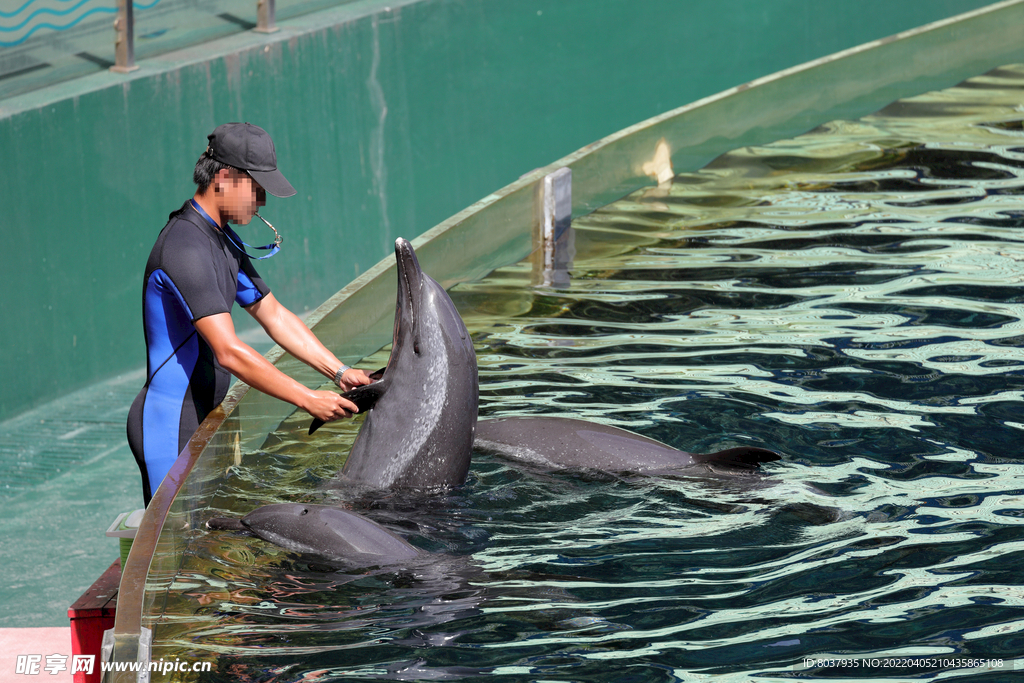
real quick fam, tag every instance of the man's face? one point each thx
(240, 196)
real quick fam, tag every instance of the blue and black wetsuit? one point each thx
(192, 272)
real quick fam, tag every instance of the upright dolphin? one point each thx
(419, 432)
(565, 443)
(324, 531)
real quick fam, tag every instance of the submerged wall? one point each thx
(388, 117)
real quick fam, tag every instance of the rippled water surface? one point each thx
(850, 298)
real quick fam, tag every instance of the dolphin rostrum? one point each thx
(324, 531)
(565, 443)
(419, 430)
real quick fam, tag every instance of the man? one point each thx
(197, 269)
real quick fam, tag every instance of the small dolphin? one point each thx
(419, 432)
(324, 531)
(565, 443)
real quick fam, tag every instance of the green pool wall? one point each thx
(388, 117)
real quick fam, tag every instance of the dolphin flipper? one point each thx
(364, 396)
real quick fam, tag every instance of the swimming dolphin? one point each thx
(419, 432)
(324, 531)
(565, 443)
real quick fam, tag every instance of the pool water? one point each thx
(851, 298)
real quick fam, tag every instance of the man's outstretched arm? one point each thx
(242, 361)
(288, 330)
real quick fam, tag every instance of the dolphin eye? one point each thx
(304, 511)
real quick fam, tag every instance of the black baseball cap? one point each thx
(250, 149)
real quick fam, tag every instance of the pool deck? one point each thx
(34, 641)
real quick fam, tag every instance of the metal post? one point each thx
(554, 229)
(266, 22)
(124, 41)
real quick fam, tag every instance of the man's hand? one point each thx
(328, 406)
(352, 378)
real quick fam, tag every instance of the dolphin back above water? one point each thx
(323, 531)
(565, 443)
(419, 431)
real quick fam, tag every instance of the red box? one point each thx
(91, 615)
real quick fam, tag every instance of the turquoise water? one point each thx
(851, 298)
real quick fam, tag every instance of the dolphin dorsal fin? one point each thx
(365, 397)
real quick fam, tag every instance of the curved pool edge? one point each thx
(498, 230)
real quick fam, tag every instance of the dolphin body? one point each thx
(565, 443)
(419, 432)
(323, 531)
